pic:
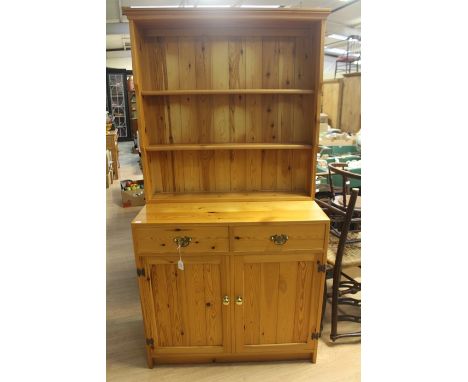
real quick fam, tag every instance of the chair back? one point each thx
(346, 218)
(338, 169)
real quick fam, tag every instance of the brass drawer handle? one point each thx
(226, 300)
(239, 300)
(183, 241)
(279, 239)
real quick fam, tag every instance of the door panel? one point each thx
(280, 301)
(188, 312)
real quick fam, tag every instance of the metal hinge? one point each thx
(140, 272)
(150, 342)
(315, 336)
(321, 267)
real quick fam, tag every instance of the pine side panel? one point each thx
(195, 290)
(187, 80)
(318, 45)
(269, 173)
(253, 162)
(207, 170)
(154, 170)
(204, 119)
(269, 302)
(287, 51)
(154, 120)
(155, 56)
(161, 302)
(220, 63)
(284, 170)
(270, 80)
(222, 170)
(178, 168)
(237, 80)
(303, 297)
(238, 170)
(286, 302)
(251, 305)
(175, 304)
(253, 119)
(253, 68)
(184, 307)
(213, 312)
(303, 105)
(167, 173)
(191, 165)
(139, 74)
(204, 81)
(301, 164)
(220, 80)
(171, 51)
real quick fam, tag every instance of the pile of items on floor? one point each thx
(109, 171)
(336, 146)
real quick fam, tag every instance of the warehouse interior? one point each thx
(225, 243)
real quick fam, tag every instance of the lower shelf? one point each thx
(227, 197)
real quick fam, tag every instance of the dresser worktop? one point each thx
(231, 213)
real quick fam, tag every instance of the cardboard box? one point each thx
(132, 198)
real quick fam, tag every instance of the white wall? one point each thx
(119, 60)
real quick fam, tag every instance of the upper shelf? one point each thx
(224, 91)
(228, 146)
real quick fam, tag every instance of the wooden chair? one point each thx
(349, 62)
(344, 251)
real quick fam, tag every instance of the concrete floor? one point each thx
(125, 339)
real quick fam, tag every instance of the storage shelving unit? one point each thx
(203, 96)
(228, 105)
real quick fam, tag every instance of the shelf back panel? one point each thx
(228, 62)
(230, 119)
(230, 171)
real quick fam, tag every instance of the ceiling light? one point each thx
(259, 6)
(338, 37)
(336, 50)
(213, 6)
(154, 6)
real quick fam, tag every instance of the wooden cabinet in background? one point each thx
(113, 147)
(228, 114)
(342, 102)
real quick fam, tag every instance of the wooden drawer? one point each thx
(259, 238)
(150, 239)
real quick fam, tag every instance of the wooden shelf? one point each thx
(228, 197)
(224, 91)
(228, 146)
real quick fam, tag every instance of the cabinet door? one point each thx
(280, 302)
(186, 306)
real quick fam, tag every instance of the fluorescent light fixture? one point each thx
(259, 6)
(213, 6)
(188, 6)
(336, 50)
(154, 6)
(338, 37)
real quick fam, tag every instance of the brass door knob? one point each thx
(226, 300)
(239, 300)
